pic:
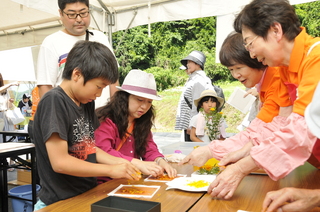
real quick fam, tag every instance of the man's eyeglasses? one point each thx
(248, 46)
(75, 15)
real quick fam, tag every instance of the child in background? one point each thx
(125, 125)
(25, 104)
(199, 131)
(68, 160)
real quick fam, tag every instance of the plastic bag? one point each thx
(15, 115)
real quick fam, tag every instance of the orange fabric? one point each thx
(127, 135)
(35, 101)
(303, 70)
(269, 95)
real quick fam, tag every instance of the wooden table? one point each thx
(171, 200)
(14, 134)
(253, 188)
(248, 196)
(13, 150)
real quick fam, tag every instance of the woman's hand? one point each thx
(15, 83)
(252, 91)
(226, 182)
(198, 157)
(171, 172)
(148, 167)
(291, 199)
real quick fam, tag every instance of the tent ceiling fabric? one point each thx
(27, 22)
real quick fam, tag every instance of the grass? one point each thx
(167, 107)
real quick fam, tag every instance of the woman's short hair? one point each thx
(233, 52)
(260, 15)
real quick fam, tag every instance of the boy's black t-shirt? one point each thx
(57, 113)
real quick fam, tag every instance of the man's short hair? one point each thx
(62, 3)
(93, 60)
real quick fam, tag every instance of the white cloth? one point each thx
(7, 125)
(175, 157)
(203, 135)
(193, 123)
(52, 57)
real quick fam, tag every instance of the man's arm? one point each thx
(44, 89)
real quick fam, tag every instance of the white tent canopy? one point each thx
(25, 23)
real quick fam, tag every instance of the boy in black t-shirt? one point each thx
(67, 159)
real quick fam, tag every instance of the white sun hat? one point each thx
(209, 93)
(141, 84)
(312, 113)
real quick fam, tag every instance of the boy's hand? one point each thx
(125, 170)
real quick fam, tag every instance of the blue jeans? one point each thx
(39, 205)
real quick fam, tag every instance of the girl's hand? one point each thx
(171, 172)
(148, 167)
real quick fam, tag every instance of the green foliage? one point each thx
(309, 16)
(213, 122)
(166, 78)
(207, 169)
(171, 41)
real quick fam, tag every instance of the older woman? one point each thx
(272, 34)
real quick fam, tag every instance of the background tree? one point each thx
(161, 53)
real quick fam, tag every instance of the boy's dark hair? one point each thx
(117, 111)
(260, 15)
(62, 3)
(207, 98)
(233, 52)
(93, 60)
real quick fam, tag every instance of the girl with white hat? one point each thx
(207, 102)
(125, 125)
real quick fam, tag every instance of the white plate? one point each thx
(181, 183)
(210, 177)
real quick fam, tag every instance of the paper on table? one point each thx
(134, 191)
(163, 179)
(237, 101)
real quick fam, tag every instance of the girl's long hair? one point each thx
(117, 111)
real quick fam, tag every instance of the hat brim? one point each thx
(220, 100)
(312, 124)
(184, 61)
(144, 95)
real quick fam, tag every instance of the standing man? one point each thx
(75, 16)
(197, 82)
